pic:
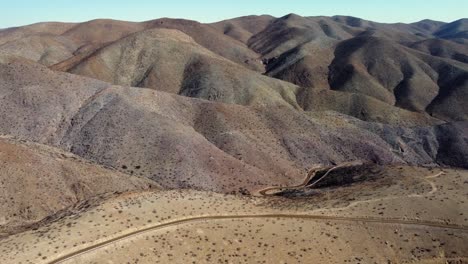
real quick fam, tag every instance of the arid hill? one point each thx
(333, 121)
(391, 77)
(38, 181)
(419, 67)
(398, 215)
(457, 31)
(171, 61)
(184, 142)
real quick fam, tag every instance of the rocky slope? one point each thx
(184, 142)
(229, 107)
(415, 71)
(38, 181)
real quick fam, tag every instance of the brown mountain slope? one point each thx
(213, 40)
(361, 106)
(38, 181)
(457, 30)
(305, 65)
(44, 29)
(375, 67)
(400, 76)
(184, 142)
(442, 48)
(398, 32)
(288, 32)
(106, 31)
(299, 50)
(90, 110)
(100, 32)
(291, 31)
(51, 43)
(429, 25)
(171, 61)
(47, 50)
(243, 28)
(320, 52)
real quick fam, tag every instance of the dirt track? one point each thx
(225, 217)
(305, 183)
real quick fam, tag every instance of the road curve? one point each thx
(97, 246)
(310, 175)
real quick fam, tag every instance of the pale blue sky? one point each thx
(21, 12)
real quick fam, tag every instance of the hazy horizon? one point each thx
(24, 12)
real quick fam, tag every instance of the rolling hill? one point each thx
(418, 67)
(167, 130)
(40, 181)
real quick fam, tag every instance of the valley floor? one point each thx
(399, 215)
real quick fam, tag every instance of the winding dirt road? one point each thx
(309, 176)
(305, 183)
(265, 192)
(191, 220)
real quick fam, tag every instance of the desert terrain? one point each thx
(374, 219)
(257, 139)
